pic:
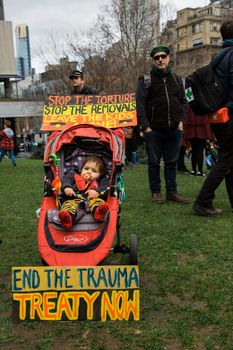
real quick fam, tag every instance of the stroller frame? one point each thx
(90, 140)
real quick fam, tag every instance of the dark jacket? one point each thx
(86, 90)
(68, 180)
(163, 103)
(224, 71)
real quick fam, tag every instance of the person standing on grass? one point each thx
(78, 82)
(223, 168)
(197, 131)
(161, 112)
(7, 142)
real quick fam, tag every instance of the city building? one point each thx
(200, 26)
(23, 51)
(1, 11)
(197, 35)
(7, 62)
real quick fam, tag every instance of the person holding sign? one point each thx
(83, 190)
(79, 86)
(161, 112)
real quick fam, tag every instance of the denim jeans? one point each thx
(3, 152)
(164, 143)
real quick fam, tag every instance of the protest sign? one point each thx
(93, 293)
(110, 111)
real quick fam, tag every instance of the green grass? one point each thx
(185, 269)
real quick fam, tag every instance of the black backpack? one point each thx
(203, 89)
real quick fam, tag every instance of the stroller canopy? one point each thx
(114, 138)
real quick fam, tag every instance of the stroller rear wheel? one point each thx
(133, 249)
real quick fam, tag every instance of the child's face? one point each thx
(90, 171)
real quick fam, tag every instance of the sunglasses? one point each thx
(163, 56)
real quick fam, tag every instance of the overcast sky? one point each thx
(63, 16)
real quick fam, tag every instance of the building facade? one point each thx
(23, 51)
(195, 35)
(200, 26)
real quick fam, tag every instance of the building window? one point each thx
(197, 42)
(214, 26)
(197, 28)
(215, 41)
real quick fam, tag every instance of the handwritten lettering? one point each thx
(51, 306)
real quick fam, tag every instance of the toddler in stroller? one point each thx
(83, 191)
(87, 239)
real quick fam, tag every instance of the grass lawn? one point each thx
(185, 269)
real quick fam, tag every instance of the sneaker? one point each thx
(193, 173)
(65, 218)
(200, 173)
(206, 211)
(176, 197)
(157, 198)
(100, 212)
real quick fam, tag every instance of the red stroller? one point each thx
(88, 242)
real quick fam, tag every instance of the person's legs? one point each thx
(171, 145)
(193, 143)
(200, 154)
(128, 149)
(68, 211)
(180, 163)
(12, 157)
(217, 174)
(154, 152)
(222, 168)
(134, 148)
(229, 186)
(2, 153)
(98, 208)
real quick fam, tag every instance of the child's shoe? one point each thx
(100, 212)
(65, 218)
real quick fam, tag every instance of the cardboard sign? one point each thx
(110, 111)
(97, 293)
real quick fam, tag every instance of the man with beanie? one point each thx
(161, 112)
(79, 86)
(223, 168)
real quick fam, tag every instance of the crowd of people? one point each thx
(169, 127)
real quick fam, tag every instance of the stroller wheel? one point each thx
(133, 249)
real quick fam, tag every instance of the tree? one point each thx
(132, 28)
(115, 51)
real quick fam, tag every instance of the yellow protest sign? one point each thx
(76, 293)
(111, 111)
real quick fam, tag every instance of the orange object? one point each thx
(220, 116)
(56, 185)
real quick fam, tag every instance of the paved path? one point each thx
(24, 155)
